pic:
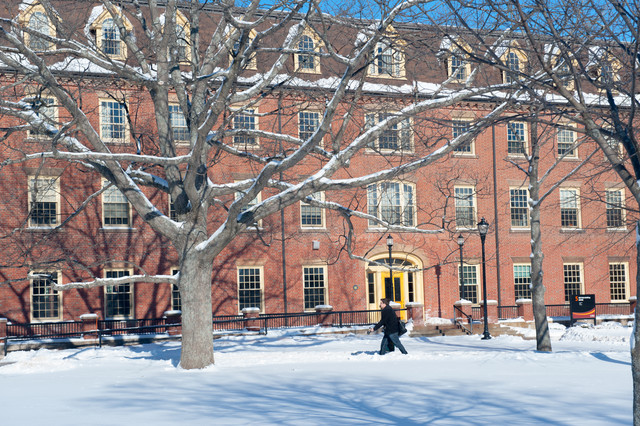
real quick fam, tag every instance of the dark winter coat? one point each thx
(389, 320)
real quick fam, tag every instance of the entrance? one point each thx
(407, 282)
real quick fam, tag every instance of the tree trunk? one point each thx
(543, 340)
(635, 344)
(197, 317)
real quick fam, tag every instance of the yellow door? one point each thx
(395, 290)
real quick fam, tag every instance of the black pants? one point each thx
(391, 338)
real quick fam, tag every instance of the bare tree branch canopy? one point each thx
(179, 87)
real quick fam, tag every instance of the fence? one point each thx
(511, 312)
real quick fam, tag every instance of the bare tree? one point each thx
(187, 77)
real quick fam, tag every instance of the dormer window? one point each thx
(388, 59)
(35, 19)
(109, 38)
(515, 62)
(308, 62)
(456, 52)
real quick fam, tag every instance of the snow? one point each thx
(291, 378)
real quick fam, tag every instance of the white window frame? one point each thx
(403, 133)
(469, 270)
(610, 206)
(379, 66)
(113, 195)
(249, 115)
(25, 20)
(575, 266)
(309, 42)
(49, 192)
(567, 204)
(49, 113)
(176, 300)
(50, 293)
(308, 123)
(177, 121)
(99, 28)
(519, 273)
(307, 270)
(459, 69)
(131, 293)
(516, 203)
(459, 199)
(566, 137)
(256, 200)
(458, 128)
(624, 283)
(315, 212)
(260, 289)
(406, 204)
(517, 132)
(108, 107)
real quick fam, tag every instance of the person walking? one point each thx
(390, 322)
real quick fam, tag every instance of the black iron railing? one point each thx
(43, 330)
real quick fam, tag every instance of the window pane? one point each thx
(465, 209)
(566, 139)
(113, 120)
(249, 288)
(244, 121)
(39, 23)
(516, 138)
(519, 207)
(115, 207)
(572, 281)
(614, 209)
(314, 287)
(306, 62)
(178, 123)
(618, 281)
(308, 122)
(118, 298)
(45, 301)
(522, 281)
(110, 38)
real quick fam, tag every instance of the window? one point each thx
(315, 286)
(618, 281)
(34, 18)
(512, 62)
(387, 62)
(468, 275)
(395, 138)
(250, 288)
(46, 110)
(176, 301)
(118, 299)
(307, 62)
(183, 52)
(459, 128)
(108, 36)
(566, 139)
(245, 120)
(45, 301)
(250, 63)
(458, 69)
(615, 208)
(44, 193)
(516, 138)
(113, 125)
(569, 208)
(465, 207)
(251, 203)
(178, 124)
(522, 281)
(39, 23)
(391, 202)
(111, 44)
(308, 123)
(116, 211)
(519, 201)
(572, 280)
(615, 145)
(311, 216)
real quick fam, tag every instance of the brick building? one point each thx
(297, 259)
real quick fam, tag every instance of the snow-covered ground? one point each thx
(328, 379)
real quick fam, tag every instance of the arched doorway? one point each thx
(406, 285)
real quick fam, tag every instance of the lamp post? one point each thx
(390, 245)
(483, 228)
(461, 243)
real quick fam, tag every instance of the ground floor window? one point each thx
(522, 281)
(468, 282)
(618, 281)
(572, 280)
(45, 301)
(118, 298)
(176, 301)
(250, 288)
(315, 286)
